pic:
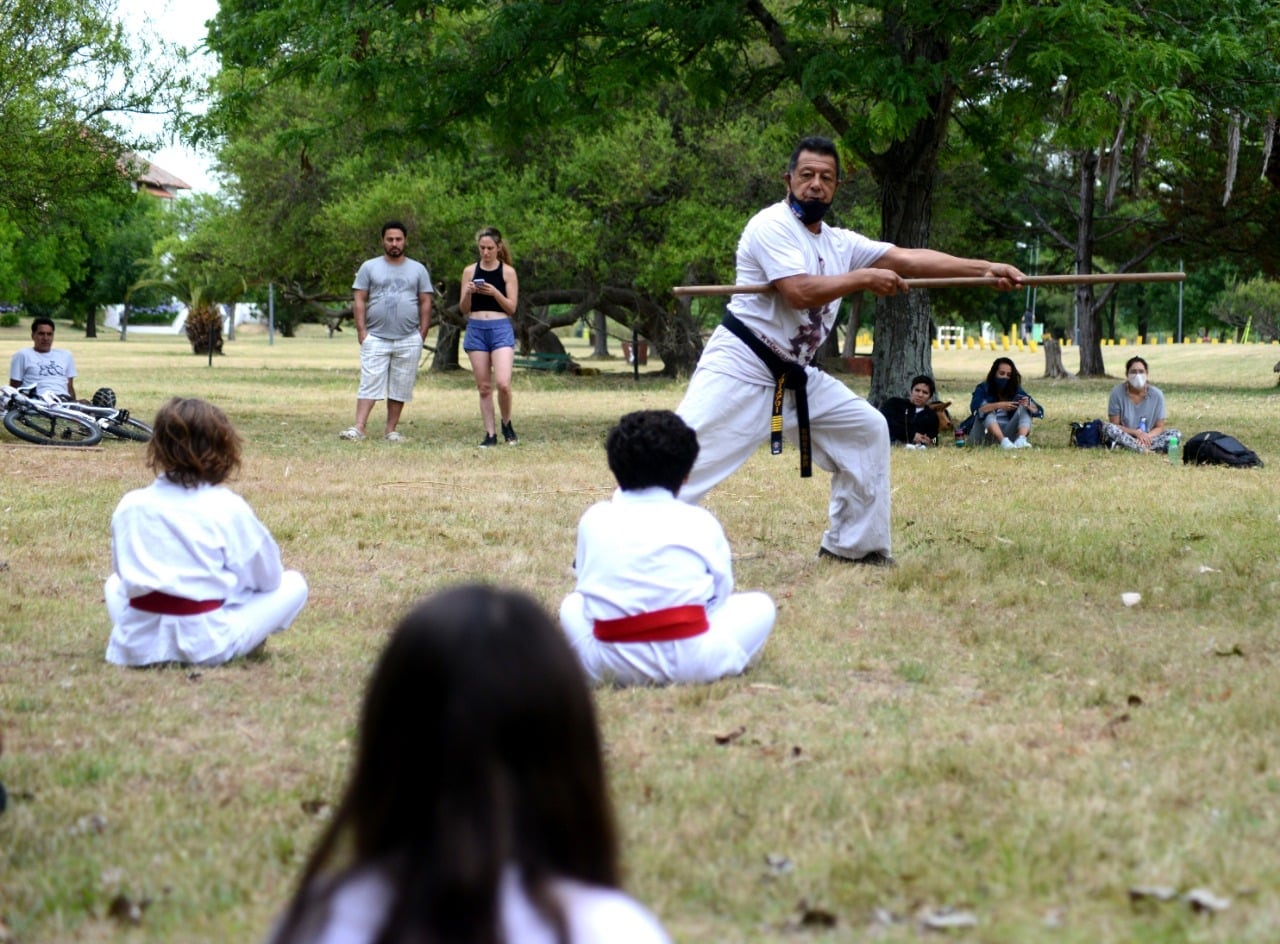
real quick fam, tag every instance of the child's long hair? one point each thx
(478, 751)
(193, 443)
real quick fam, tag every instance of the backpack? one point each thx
(1087, 435)
(1214, 448)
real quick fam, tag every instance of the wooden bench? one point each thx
(544, 360)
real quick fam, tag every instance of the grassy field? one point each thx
(985, 732)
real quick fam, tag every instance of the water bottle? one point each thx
(959, 436)
(1173, 450)
(1142, 424)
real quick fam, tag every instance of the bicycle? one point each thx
(46, 422)
(112, 419)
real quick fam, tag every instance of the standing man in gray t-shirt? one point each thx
(393, 313)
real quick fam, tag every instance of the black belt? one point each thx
(787, 375)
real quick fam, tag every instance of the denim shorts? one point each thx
(488, 334)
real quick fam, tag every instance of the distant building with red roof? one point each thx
(152, 178)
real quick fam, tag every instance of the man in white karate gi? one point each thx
(761, 352)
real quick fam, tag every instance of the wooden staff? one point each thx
(958, 282)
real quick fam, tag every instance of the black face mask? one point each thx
(808, 212)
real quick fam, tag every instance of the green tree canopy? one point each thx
(69, 76)
(906, 86)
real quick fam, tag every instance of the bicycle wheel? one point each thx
(135, 430)
(52, 427)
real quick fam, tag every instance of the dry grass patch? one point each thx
(986, 727)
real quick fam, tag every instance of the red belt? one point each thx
(166, 604)
(676, 622)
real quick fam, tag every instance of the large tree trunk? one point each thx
(901, 349)
(448, 338)
(600, 333)
(1088, 315)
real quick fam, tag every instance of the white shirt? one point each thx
(776, 245)
(595, 915)
(48, 371)
(202, 543)
(645, 550)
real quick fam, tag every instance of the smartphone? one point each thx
(477, 281)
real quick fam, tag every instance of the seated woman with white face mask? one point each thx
(1136, 414)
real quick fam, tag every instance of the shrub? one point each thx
(204, 328)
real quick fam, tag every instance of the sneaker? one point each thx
(394, 436)
(352, 434)
(1021, 443)
(1007, 443)
(509, 434)
(490, 440)
(874, 559)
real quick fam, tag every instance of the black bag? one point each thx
(1214, 448)
(1087, 435)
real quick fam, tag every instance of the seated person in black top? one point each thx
(912, 421)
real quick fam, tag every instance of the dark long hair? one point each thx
(478, 750)
(1015, 378)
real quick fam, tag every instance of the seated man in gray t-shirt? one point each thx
(48, 369)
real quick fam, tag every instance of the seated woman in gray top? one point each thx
(1136, 414)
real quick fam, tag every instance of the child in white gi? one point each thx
(654, 600)
(198, 578)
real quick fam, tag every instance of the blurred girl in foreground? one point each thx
(477, 810)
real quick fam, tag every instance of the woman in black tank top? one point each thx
(490, 293)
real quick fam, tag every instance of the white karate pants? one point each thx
(737, 633)
(140, 638)
(850, 440)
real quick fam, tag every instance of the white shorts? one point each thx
(388, 369)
